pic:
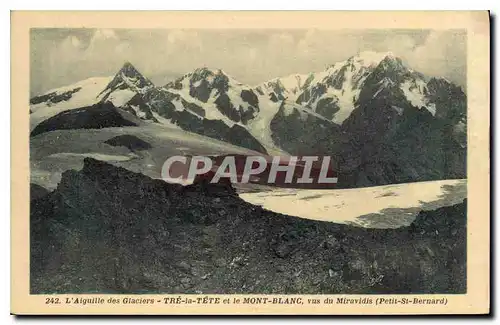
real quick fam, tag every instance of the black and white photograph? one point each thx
(107, 107)
(269, 163)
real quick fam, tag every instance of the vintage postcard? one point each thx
(329, 163)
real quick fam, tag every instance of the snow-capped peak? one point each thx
(209, 74)
(335, 91)
(132, 77)
(371, 58)
(127, 83)
(284, 87)
(129, 79)
(129, 70)
(202, 72)
(207, 71)
(205, 77)
(364, 59)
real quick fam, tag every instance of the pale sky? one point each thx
(63, 56)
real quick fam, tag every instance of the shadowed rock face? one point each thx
(305, 136)
(54, 97)
(139, 108)
(387, 148)
(109, 230)
(37, 191)
(130, 141)
(98, 116)
(403, 126)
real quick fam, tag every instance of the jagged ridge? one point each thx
(365, 112)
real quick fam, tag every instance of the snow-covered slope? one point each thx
(68, 148)
(80, 94)
(222, 97)
(333, 92)
(390, 206)
(221, 115)
(218, 92)
(285, 87)
(119, 90)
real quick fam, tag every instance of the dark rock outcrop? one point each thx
(37, 191)
(54, 97)
(304, 134)
(404, 127)
(98, 116)
(108, 230)
(387, 146)
(130, 141)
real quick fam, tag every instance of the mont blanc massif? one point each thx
(103, 220)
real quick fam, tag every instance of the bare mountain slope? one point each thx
(108, 230)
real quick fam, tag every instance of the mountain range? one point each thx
(380, 120)
(103, 218)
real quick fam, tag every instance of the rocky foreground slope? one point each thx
(108, 230)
